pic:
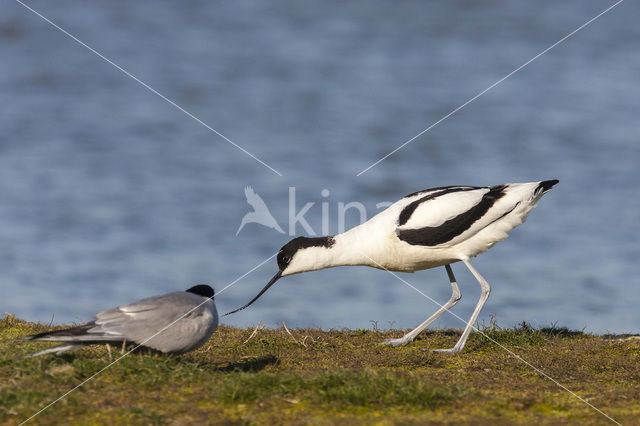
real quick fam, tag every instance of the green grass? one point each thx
(342, 388)
(336, 376)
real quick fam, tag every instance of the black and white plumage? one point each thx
(426, 229)
(139, 322)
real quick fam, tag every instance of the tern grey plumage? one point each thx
(148, 322)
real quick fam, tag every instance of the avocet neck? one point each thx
(341, 251)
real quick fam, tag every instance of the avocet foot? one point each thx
(453, 350)
(455, 297)
(396, 342)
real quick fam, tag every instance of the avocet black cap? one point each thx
(202, 290)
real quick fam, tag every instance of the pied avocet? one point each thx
(434, 227)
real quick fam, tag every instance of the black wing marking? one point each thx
(406, 213)
(436, 235)
(546, 185)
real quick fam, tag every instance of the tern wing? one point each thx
(174, 322)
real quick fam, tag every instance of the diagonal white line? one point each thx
(144, 341)
(516, 356)
(247, 273)
(146, 86)
(492, 86)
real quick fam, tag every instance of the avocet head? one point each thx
(301, 254)
(304, 254)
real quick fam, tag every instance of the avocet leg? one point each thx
(455, 297)
(484, 295)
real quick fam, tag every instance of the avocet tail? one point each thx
(546, 185)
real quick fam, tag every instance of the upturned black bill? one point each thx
(273, 280)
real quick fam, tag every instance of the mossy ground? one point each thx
(304, 376)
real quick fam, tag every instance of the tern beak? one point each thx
(275, 278)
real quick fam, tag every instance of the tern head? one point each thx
(301, 254)
(202, 290)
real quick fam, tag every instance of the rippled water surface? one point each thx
(108, 193)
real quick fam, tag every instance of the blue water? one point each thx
(109, 194)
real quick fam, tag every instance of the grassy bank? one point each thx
(308, 375)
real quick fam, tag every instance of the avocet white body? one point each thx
(426, 229)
